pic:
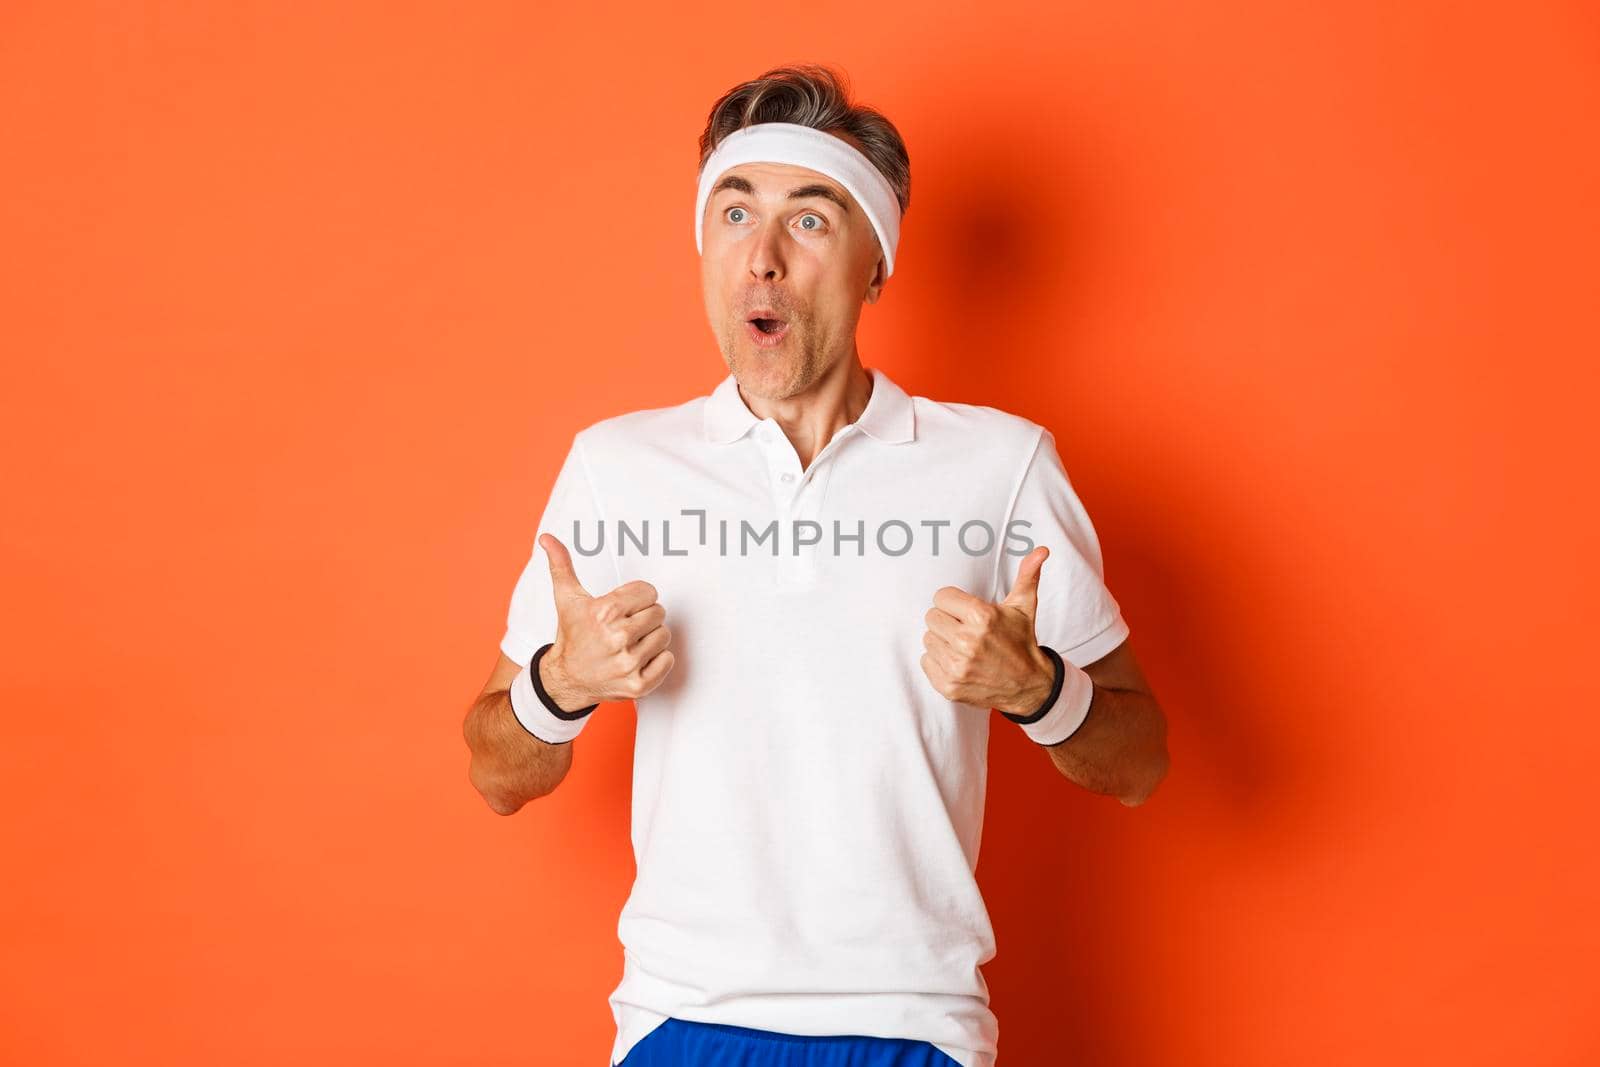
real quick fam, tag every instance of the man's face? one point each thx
(792, 244)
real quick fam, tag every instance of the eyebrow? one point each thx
(733, 181)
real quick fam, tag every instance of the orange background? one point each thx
(303, 303)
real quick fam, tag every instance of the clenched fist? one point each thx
(611, 647)
(985, 654)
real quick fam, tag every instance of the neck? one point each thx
(812, 417)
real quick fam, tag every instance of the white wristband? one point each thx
(1069, 710)
(536, 718)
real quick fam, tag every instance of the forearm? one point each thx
(1121, 748)
(509, 765)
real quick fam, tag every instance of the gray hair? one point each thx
(817, 96)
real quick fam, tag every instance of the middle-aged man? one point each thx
(850, 579)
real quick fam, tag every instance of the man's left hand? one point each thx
(985, 654)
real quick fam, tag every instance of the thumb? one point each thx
(1025, 590)
(563, 579)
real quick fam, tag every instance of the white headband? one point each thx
(804, 146)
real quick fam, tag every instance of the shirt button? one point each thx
(786, 476)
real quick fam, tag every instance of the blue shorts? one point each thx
(683, 1043)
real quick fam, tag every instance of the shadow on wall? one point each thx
(1000, 246)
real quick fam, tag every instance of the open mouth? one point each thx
(766, 329)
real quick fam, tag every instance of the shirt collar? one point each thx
(888, 416)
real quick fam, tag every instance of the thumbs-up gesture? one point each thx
(610, 647)
(985, 654)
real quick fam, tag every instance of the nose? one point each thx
(766, 252)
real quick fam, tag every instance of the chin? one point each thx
(764, 375)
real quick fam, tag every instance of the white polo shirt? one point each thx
(807, 807)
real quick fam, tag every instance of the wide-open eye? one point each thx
(811, 215)
(729, 214)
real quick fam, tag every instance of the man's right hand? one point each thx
(611, 647)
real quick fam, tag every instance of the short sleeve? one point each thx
(571, 515)
(1077, 616)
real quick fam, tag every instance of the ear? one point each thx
(875, 286)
